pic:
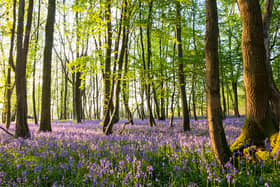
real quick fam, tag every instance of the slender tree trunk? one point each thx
(181, 76)
(126, 90)
(65, 96)
(258, 123)
(97, 97)
(7, 104)
(61, 99)
(22, 129)
(156, 101)
(234, 89)
(224, 98)
(11, 65)
(45, 123)
(162, 102)
(146, 69)
(214, 113)
(107, 72)
(162, 89)
(142, 110)
(149, 56)
(172, 107)
(34, 66)
(115, 115)
(78, 98)
(174, 89)
(193, 99)
(109, 113)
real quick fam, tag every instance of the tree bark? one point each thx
(193, 99)
(275, 95)
(34, 66)
(115, 115)
(214, 112)
(156, 101)
(258, 122)
(45, 123)
(162, 89)
(234, 89)
(149, 56)
(22, 129)
(223, 96)
(107, 71)
(11, 65)
(78, 98)
(181, 76)
(146, 69)
(126, 90)
(65, 96)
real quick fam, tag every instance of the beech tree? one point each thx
(181, 75)
(107, 69)
(22, 129)
(45, 123)
(9, 87)
(258, 123)
(214, 111)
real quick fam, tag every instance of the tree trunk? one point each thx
(97, 97)
(156, 101)
(258, 123)
(193, 99)
(22, 129)
(162, 89)
(45, 123)
(147, 85)
(11, 65)
(78, 98)
(34, 66)
(126, 90)
(149, 56)
(172, 106)
(275, 95)
(107, 71)
(65, 96)
(115, 115)
(181, 76)
(234, 89)
(224, 97)
(174, 89)
(214, 113)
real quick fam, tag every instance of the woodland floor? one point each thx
(80, 155)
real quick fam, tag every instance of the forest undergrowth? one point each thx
(79, 154)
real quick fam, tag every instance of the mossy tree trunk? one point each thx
(214, 111)
(258, 123)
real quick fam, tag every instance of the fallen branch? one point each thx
(123, 128)
(7, 132)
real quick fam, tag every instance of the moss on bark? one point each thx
(255, 133)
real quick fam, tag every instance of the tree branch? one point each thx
(7, 132)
